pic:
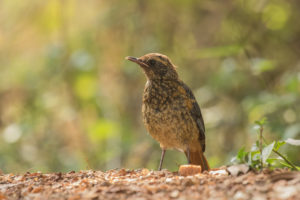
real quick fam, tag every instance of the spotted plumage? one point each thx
(171, 113)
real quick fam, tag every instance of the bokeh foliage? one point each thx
(69, 100)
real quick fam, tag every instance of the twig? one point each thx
(285, 159)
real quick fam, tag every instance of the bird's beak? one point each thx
(137, 61)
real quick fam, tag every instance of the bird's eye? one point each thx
(152, 62)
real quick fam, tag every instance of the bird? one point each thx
(170, 111)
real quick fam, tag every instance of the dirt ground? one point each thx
(146, 184)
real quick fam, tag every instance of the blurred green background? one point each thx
(69, 100)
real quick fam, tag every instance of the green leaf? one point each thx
(241, 154)
(289, 166)
(266, 152)
(278, 144)
(271, 161)
(249, 162)
(255, 147)
(292, 141)
(261, 122)
(255, 155)
(240, 157)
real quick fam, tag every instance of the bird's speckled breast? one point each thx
(166, 115)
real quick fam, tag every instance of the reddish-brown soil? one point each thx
(145, 184)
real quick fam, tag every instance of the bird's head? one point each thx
(156, 66)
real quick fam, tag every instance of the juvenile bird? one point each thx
(171, 113)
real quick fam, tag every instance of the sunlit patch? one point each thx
(85, 86)
(102, 129)
(289, 116)
(12, 133)
(260, 65)
(275, 16)
(29, 152)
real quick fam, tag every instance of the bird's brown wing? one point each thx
(196, 114)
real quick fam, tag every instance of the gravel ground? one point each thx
(147, 184)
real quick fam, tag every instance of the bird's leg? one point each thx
(161, 159)
(188, 155)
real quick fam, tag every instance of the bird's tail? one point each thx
(198, 158)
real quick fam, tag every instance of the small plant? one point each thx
(259, 155)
